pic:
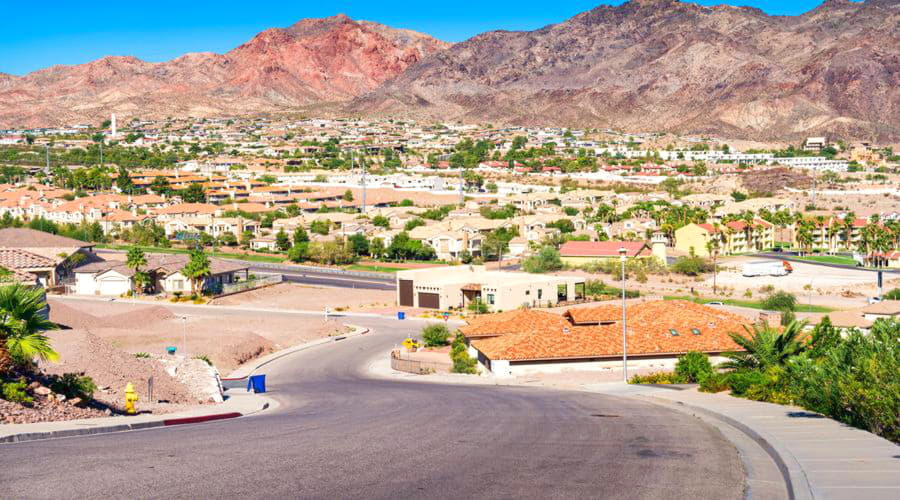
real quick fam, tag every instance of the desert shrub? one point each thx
(14, 391)
(142, 355)
(657, 378)
(598, 287)
(204, 358)
(73, 385)
(435, 335)
(780, 301)
(478, 306)
(545, 260)
(693, 367)
(893, 294)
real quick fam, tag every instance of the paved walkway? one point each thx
(823, 458)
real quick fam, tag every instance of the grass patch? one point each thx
(828, 259)
(221, 255)
(752, 304)
(375, 269)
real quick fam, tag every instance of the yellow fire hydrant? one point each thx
(131, 398)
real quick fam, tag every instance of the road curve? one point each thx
(340, 434)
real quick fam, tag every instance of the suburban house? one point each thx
(455, 287)
(885, 309)
(590, 339)
(579, 253)
(49, 257)
(115, 278)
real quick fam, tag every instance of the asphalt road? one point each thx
(341, 434)
(313, 278)
(792, 257)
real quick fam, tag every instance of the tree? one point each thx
(299, 252)
(282, 241)
(348, 195)
(320, 226)
(22, 322)
(376, 248)
(381, 221)
(413, 223)
(765, 346)
(135, 260)
(359, 245)
(196, 270)
(547, 259)
(123, 181)
(160, 185)
(780, 301)
(194, 194)
(300, 236)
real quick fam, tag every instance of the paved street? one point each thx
(340, 434)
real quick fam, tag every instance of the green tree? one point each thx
(546, 260)
(765, 346)
(135, 260)
(22, 322)
(282, 241)
(196, 270)
(194, 194)
(435, 335)
(381, 221)
(348, 195)
(359, 244)
(300, 236)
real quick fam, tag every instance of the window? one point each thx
(540, 293)
(527, 292)
(490, 298)
(673, 331)
(695, 331)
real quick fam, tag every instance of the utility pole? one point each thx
(363, 167)
(814, 187)
(462, 196)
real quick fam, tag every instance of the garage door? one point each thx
(406, 293)
(429, 300)
(113, 287)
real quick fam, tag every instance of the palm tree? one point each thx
(712, 247)
(21, 323)
(849, 217)
(196, 270)
(765, 346)
(136, 260)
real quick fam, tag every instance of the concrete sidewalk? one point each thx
(820, 457)
(238, 404)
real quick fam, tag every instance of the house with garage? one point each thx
(456, 287)
(49, 257)
(590, 339)
(114, 278)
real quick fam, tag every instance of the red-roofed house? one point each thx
(578, 253)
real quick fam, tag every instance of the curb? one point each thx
(792, 474)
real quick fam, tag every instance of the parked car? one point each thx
(873, 300)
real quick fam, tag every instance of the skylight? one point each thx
(673, 331)
(695, 331)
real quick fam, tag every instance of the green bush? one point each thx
(435, 335)
(893, 294)
(657, 378)
(780, 301)
(142, 355)
(693, 367)
(478, 306)
(205, 358)
(15, 392)
(462, 362)
(691, 266)
(547, 259)
(740, 382)
(73, 385)
(717, 382)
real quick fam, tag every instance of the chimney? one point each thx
(658, 244)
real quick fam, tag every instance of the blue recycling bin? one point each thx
(401, 315)
(257, 383)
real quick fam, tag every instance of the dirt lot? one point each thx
(142, 327)
(314, 298)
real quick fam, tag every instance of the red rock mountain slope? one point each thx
(313, 61)
(664, 65)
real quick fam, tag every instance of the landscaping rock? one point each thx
(42, 391)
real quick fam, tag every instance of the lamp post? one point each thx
(622, 252)
(184, 334)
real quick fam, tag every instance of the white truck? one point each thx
(766, 268)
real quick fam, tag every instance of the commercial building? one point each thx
(455, 287)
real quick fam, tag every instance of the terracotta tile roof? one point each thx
(604, 248)
(519, 320)
(594, 315)
(20, 237)
(650, 332)
(15, 259)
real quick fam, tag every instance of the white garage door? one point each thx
(113, 286)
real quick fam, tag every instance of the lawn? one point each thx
(752, 304)
(375, 269)
(829, 259)
(222, 255)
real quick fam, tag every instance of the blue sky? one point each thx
(66, 32)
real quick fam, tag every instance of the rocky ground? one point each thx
(313, 298)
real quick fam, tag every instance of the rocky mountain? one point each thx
(311, 62)
(653, 65)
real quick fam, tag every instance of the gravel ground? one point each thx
(313, 298)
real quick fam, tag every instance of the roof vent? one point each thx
(565, 330)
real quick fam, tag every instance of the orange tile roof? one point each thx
(649, 332)
(493, 325)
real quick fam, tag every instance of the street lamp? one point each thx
(184, 334)
(622, 252)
